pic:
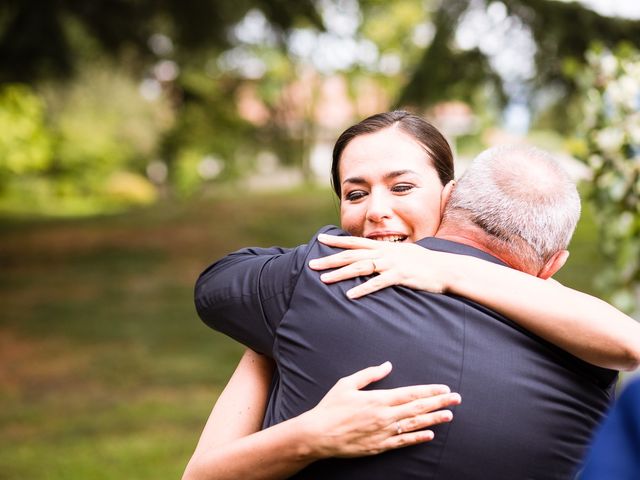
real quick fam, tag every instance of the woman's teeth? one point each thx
(392, 238)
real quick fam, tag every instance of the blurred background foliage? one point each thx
(137, 137)
(608, 141)
(110, 104)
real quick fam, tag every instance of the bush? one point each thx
(25, 141)
(609, 142)
(79, 148)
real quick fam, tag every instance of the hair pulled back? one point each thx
(423, 132)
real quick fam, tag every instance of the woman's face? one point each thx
(390, 190)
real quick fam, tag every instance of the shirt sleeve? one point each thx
(245, 294)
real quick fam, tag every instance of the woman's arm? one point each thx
(584, 325)
(347, 422)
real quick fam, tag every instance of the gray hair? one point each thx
(522, 198)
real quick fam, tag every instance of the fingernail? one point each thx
(456, 397)
(322, 236)
(313, 263)
(386, 364)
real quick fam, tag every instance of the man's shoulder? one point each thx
(331, 230)
(449, 246)
(292, 262)
(299, 251)
(320, 249)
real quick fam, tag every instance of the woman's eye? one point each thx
(402, 187)
(355, 195)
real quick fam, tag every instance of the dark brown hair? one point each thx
(423, 132)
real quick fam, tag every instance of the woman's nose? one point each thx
(379, 207)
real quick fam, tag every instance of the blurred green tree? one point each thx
(608, 142)
(186, 52)
(80, 147)
(36, 41)
(560, 30)
(105, 130)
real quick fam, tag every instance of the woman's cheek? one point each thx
(352, 220)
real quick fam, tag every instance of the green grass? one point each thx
(105, 370)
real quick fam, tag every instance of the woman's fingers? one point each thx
(420, 422)
(347, 242)
(406, 439)
(351, 422)
(372, 285)
(364, 377)
(403, 395)
(360, 268)
(425, 405)
(341, 259)
(410, 431)
(403, 264)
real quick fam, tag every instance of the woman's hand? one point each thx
(350, 422)
(405, 264)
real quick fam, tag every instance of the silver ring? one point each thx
(375, 268)
(398, 428)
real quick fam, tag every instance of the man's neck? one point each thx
(471, 236)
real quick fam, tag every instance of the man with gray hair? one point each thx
(529, 407)
(521, 202)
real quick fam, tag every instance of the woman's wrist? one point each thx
(308, 435)
(450, 271)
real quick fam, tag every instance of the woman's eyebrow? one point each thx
(399, 173)
(387, 176)
(356, 180)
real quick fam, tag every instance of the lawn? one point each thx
(105, 370)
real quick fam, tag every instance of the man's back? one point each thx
(528, 408)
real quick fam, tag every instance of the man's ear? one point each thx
(554, 264)
(445, 194)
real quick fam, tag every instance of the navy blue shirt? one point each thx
(528, 409)
(615, 453)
